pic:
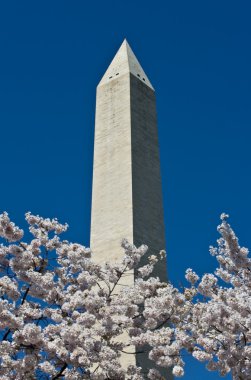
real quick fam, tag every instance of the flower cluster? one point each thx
(211, 319)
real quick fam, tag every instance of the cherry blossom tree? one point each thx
(64, 316)
(211, 319)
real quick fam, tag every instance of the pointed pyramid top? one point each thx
(125, 62)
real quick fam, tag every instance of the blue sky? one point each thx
(197, 56)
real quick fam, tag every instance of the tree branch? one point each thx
(57, 376)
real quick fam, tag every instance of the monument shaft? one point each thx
(126, 195)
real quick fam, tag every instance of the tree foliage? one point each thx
(64, 316)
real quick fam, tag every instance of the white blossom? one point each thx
(178, 371)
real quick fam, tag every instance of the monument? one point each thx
(126, 192)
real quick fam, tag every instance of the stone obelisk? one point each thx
(126, 193)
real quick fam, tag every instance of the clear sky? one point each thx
(197, 56)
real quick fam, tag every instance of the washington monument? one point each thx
(126, 193)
